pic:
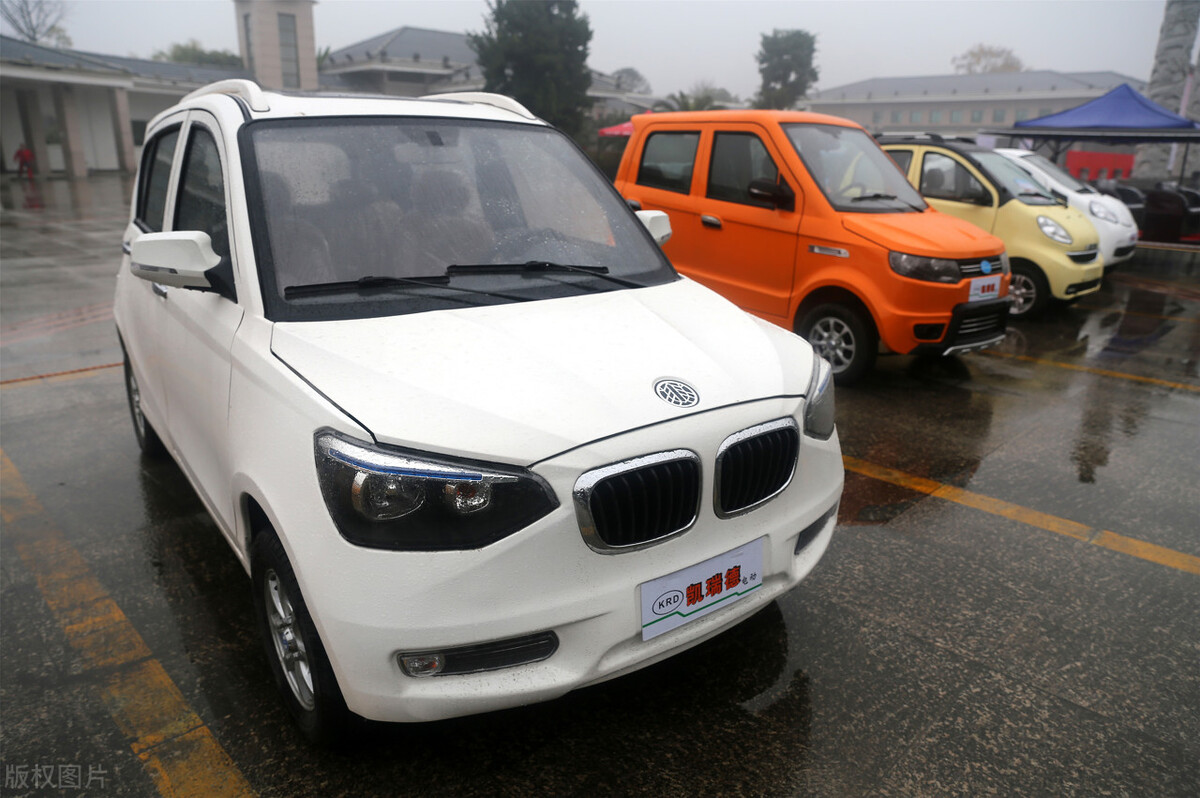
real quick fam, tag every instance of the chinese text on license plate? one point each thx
(672, 600)
(984, 288)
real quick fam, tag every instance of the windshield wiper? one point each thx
(371, 282)
(881, 196)
(539, 266)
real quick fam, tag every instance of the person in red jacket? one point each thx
(24, 159)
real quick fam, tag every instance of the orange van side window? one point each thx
(738, 159)
(667, 161)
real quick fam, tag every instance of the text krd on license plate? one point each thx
(672, 600)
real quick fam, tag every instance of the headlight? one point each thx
(937, 270)
(819, 407)
(1005, 266)
(1054, 230)
(392, 499)
(1101, 212)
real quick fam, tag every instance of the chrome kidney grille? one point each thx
(635, 503)
(754, 465)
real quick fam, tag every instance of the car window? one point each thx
(851, 170)
(201, 203)
(903, 159)
(667, 161)
(942, 177)
(156, 172)
(737, 160)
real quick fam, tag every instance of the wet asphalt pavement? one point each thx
(1010, 605)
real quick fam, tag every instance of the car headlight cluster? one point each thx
(391, 499)
(1005, 264)
(1053, 230)
(918, 267)
(819, 406)
(1102, 212)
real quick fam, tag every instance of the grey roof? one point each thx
(404, 43)
(16, 51)
(1042, 80)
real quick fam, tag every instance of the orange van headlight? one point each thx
(918, 267)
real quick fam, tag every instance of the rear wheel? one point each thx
(148, 440)
(1028, 290)
(294, 650)
(842, 336)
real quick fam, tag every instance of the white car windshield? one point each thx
(1057, 173)
(380, 216)
(1012, 177)
(852, 171)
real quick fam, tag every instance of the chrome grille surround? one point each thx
(782, 441)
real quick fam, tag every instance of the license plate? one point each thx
(693, 592)
(984, 288)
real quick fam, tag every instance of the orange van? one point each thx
(802, 220)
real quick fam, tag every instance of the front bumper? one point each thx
(973, 326)
(369, 605)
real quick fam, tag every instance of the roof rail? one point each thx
(484, 98)
(248, 90)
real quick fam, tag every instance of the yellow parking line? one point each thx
(177, 750)
(1015, 512)
(1101, 372)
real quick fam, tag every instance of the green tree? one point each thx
(786, 65)
(191, 52)
(682, 101)
(536, 53)
(986, 58)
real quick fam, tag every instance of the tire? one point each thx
(147, 439)
(1029, 291)
(293, 648)
(841, 335)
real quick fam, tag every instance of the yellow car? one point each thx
(1054, 249)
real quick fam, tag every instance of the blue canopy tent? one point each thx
(1123, 116)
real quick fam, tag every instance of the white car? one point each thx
(474, 440)
(1112, 220)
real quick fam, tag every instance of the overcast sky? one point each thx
(676, 43)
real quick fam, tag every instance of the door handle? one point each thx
(161, 290)
(710, 221)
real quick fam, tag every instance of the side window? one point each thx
(667, 161)
(903, 159)
(156, 172)
(942, 177)
(201, 204)
(737, 160)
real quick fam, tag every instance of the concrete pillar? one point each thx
(118, 103)
(68, 119)
(33, 127)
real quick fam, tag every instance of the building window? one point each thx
(897, 117)
(1044, 112)
(998, 115)
(249, 43)
(935, 117)
(289, 51)
(914, 116)
(1022, 114)
(955, 117)
(876, 117)
(977, 116)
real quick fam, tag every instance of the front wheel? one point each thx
(147, 439)
(842, 336)
(1029, 291)
(294, 650)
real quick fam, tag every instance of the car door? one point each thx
(200, 325)
(953, 186)
(141, 308)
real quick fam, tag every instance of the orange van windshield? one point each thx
(852, 171)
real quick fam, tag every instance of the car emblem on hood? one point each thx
(676, 392)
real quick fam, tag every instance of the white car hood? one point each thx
(522, 382)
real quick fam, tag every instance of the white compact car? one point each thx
(475, 441)
(1112, 220)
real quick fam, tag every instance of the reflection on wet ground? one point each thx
(1006, 606)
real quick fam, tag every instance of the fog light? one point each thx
(928, 332)
(422, 664)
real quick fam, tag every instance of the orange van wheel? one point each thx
(842, 336)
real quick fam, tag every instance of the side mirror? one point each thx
(778, 194)
(978, 195)
(178, 259)
(658, 223)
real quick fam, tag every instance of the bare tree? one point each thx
(37, 21)
(630, 80)
(986, 58)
